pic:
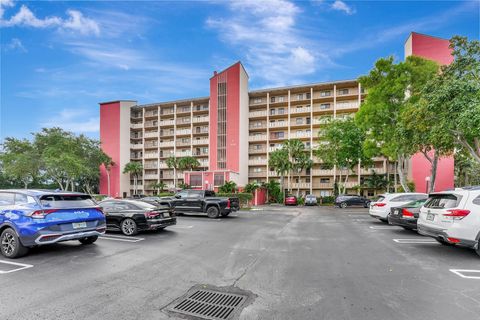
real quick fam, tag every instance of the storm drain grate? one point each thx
(210, 304)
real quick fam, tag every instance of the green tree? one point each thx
(376, 182)
(467, 170)
(228, 187)
(298, 157)
(454, 96)
(19, 160)
(159, 185)
(274, 193)
(108, 163)
(188, 163)
(342, 146)
(279, 160)
(135, 168)
(173, 163)
(251, 187)
(391, 88)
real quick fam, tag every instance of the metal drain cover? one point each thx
(212, 303)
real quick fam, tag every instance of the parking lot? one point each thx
(298, 263)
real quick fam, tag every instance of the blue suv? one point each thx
(30, 218)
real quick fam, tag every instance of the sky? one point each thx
(59, 59)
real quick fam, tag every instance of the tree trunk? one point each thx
(339, 184)
(298, 185)
(25, 183)
(345, 183)
(135, 185)
(433, 175)
(401, 173)
(108, 182)
(175, 179)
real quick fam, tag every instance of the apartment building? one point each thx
(232, 131)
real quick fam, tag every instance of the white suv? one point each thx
(381, 208)
(452, 217)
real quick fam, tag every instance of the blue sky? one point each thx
(60, 58)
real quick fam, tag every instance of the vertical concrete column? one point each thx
(191, 128)
(158, 144)
(175, 142)
(143, 151)
(311, 138)
(268, 134)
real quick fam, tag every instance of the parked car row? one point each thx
(450, 217)
(30, 218)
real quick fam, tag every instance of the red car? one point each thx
(291, 201)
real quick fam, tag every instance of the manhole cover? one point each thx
(211, 303)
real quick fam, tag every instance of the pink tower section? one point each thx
(438, 50)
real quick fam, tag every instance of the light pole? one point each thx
(427, 182)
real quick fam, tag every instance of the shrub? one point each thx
(327, 199)
(243, 197)
(165, 194)
(301, 201)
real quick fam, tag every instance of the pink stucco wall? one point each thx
(110, 139)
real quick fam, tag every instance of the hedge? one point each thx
(243, 197)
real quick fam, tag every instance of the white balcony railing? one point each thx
(300, 110)
(136, 146)
(257, 161)
(200, 141)
(150, 177)
(153, 134)
(136, 125)
(277, 124)
(301, 134)
(262, 113)
(167, 122)
(184, 131)
(167, 144)
(301, 185)
(347, 105)
(200, 119)
(274, 148)
(150, 155)
(258, 137)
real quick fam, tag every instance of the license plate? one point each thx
(397, 212)
(430, 216)
(79, 225)
(166, 214)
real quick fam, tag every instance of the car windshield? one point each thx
(67, 201)
(416, 203)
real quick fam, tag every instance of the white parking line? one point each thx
(180, 227)
(383, 227)
(460, 273)
(121, 238)
(415, 241)
(20, 266)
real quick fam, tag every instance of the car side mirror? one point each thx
(177, 196)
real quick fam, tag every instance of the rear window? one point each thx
(416, 204)
(379, 199)
(476, 201)
(6, 199)
(443, 201)
(408, 197)
(67, 201)
(142, 205)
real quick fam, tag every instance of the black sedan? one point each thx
(347, 200)
(132, 216)
(406, 215)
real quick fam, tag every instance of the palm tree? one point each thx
(228, 187)
(108, 164)
(296, 150)
(301, 162)
(278, 159)
(135, 168)
(172, 163)
(159, 185)
(188, 163)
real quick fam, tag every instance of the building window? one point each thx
(307, 171)
(324, 180)
(308, 120)
(308, 96)
(299, 120)
(258, 146)
(257, 100)
(281, 110)
(272, 112)
(196, 180)
(300, 96)
(324, 193)
(307, 179)
(281, 99)
(327, 93)
(342, 91)
(218, 180)
(324, 106)
(272, 99)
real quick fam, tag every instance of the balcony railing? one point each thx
(278, 124)
(200, 141)
(257, 174)
(258, 126)
(151, 114)
(257, 161)
(167, 122)
(271, 149)
(151, 155)
(183, 154)
(347, 105)
(300, 110)
(261, 150)
(150, 177)
(163, 165)
(200, 119)
(167, 144)
(301, 135)
(257, 137)
(150, 165)
(253, 114)
(136, 146)
(136, 125)
(322, 172)
(184, 121)
(184, 132)
(167, 112)
(301, 185)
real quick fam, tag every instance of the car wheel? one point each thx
(213, 212)
(366, 204)
(343, 205)
(129, 227)
(10, 245)
(88, 240)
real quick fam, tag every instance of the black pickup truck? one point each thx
(204, 201)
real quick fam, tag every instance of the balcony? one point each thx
(369, 171)
(256, 114)
(200, 108)
(257, 126)
(200, 142)
(271, 149)
(278, 137)
(323, 185)
(253, 150)
(257, 162)
(347, 105)
(150, 114)
(184, 143)
(150, 177)
(136, 126)
(257, 174)
(136, 156)
(272, 174)
(183, 154)
(136, 146)
(136, 136)
(166, 133)
(200, 119)
(167, 123)
(151, 124)
(301, 185)
(184, 132)
(184, 121)
(163, 165)
(167, 144)
(151, 165)
(151, 145)
(323, 172)
(301, 134)
(204, 163)
(151, 134)
(167, 111)
(323, 120)
(167, 154)
(184, 109)
(150, 155)
(278, 124)
(300, 110)
(258, 137)
(299, 124)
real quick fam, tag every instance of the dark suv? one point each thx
(346, 200)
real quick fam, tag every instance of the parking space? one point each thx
(301, 263)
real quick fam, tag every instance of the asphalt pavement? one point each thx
(298, 263)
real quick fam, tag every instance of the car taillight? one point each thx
(457, 214)
(379, 204)
(151, 215)
(228, 204)
(40, 214)
(453, 240)
(406, 213)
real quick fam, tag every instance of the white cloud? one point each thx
(342, 6)
(5, 4)
(266, 32)
(75, 22)
(74, 120)
(15, 44)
